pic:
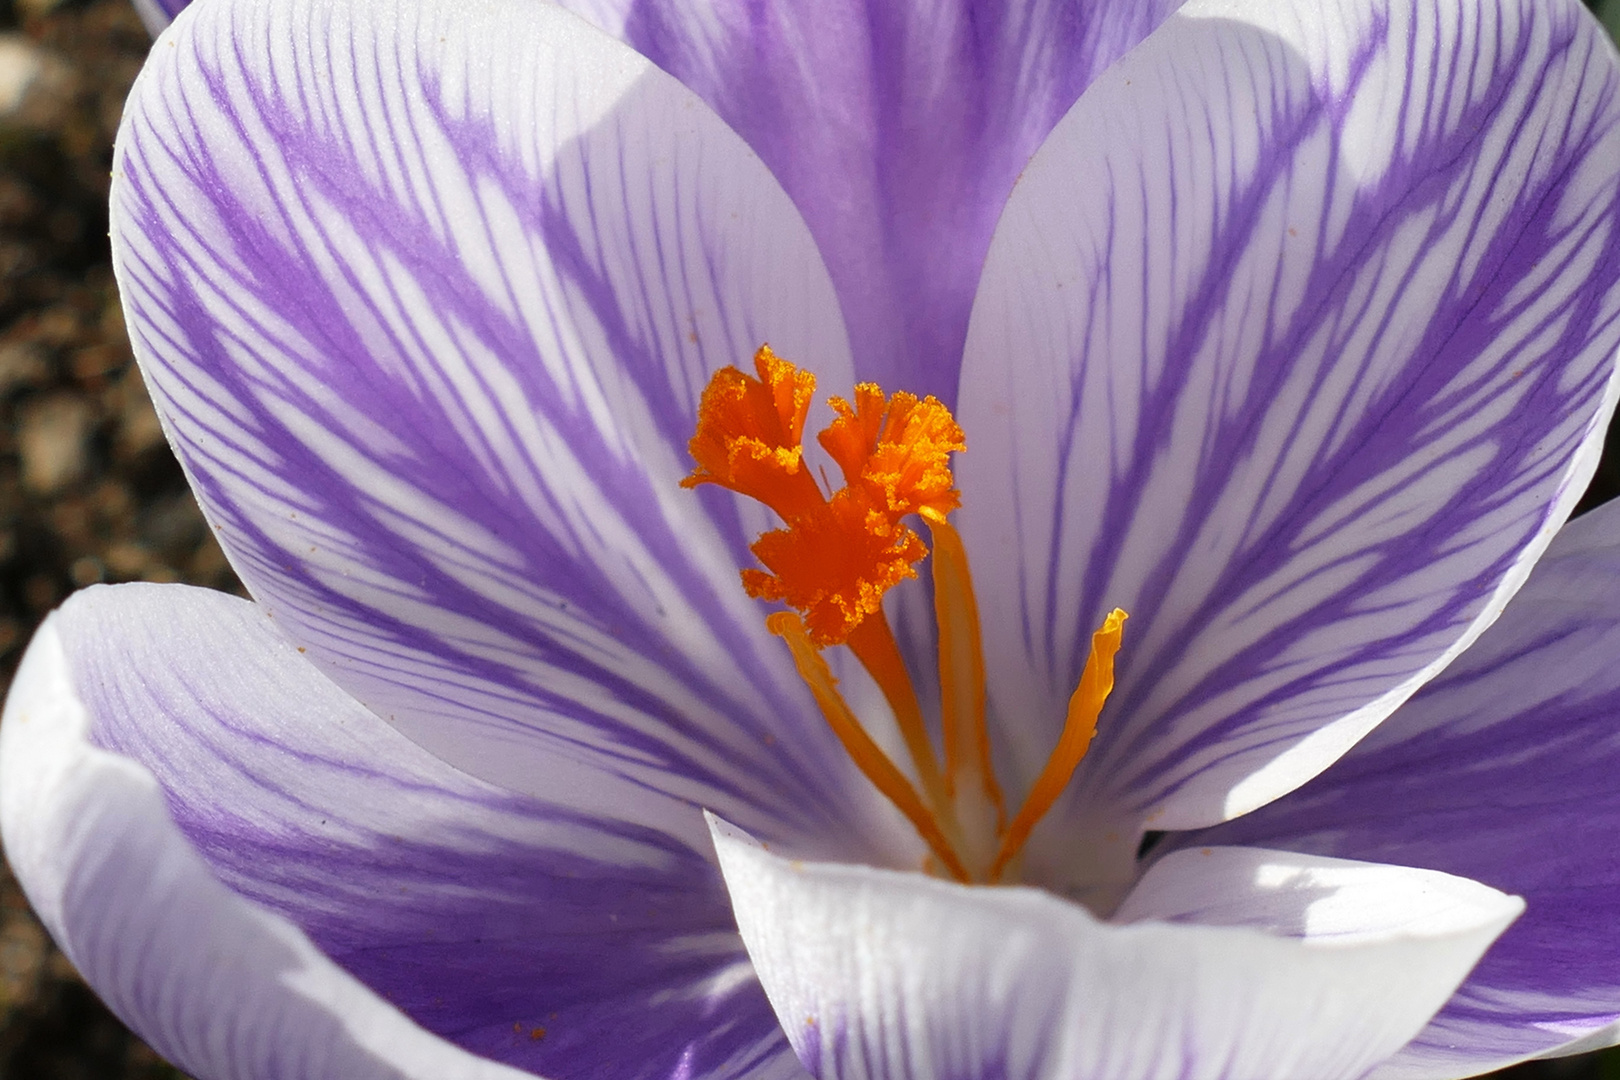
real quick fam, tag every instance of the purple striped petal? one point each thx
(1297, 343)
(897, 126)
(219, 985)
(1505, 768)
(518, 930)
(426, 296)
(886, 975)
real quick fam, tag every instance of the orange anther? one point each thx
(961, 672)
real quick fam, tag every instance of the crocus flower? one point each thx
(1287, 328)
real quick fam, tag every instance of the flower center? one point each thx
(833, 561)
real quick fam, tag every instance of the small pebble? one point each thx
(40, 592)
(20, 64)
(22, 363)
(22, 952)
(36, 86)
(38, 8)
(53, 439)
(127, 560)
(87, 570)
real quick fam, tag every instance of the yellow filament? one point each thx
(1096, 683)
(866, 754)
(961, 670)
(874, 646)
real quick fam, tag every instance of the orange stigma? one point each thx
(839, 555)
(834, 559)
(750, 434)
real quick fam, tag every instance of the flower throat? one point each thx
(833, 561)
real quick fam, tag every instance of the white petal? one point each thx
(880, 974)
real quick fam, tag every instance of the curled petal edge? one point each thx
(879, 973)
(204, 975)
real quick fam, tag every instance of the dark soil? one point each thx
(88, 489)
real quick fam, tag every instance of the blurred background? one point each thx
(88, 489)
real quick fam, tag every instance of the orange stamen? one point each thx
(833, 560)
(874, 646)
(866, 754)
(1096, 683)
(968, 771)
